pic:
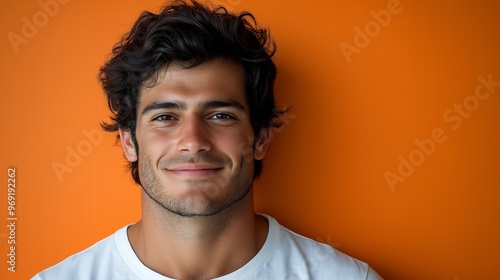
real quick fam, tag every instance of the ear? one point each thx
(128, 145)
(262, 143)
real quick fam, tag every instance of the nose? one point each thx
(193, 136)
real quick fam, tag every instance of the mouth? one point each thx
(194, 170)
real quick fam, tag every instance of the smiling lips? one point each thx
(194, 170)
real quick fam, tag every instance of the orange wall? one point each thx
(360, 104)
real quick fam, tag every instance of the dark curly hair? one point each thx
(189, 34)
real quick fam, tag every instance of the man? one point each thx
(191, 93)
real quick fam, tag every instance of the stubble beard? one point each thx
(217, 200)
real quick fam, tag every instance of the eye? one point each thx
(163, 118)
(222, 116)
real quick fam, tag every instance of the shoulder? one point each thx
(309, 259)
(100, 256)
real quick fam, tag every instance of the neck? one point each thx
(198, 247)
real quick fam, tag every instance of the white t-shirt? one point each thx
(284, 255)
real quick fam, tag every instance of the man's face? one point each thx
(195, 138)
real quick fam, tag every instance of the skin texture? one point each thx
(196, 152)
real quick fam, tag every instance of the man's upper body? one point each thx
(284, 255)
(191, 91)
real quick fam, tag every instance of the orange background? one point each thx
(325, 174)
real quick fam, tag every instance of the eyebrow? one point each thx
(164, 105)
(204, 105)
(222, 104)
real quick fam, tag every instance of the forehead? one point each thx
(212, 80)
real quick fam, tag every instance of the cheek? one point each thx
(238, 148)
(155, 145)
